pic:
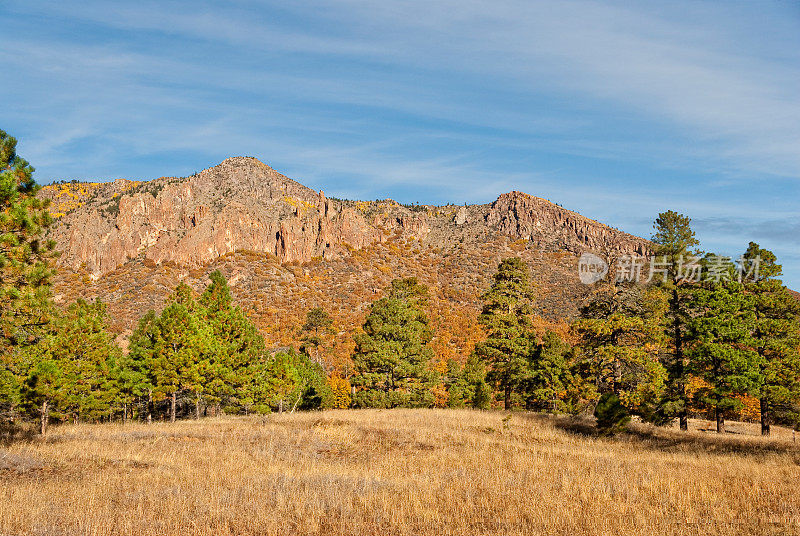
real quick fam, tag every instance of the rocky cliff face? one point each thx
(244, 205)
(532, 218)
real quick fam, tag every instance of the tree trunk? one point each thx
(45, 417)
(172, 408)
(683, 419)
(766, 418)
(197, 407)
(507, 398)
(720, 421)
(683, 416)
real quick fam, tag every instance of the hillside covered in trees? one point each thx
(700, 335)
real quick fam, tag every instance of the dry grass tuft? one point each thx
(399, 472)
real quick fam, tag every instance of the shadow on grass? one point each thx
(667, 440)
(664, 439)
(11, 432)
(578, 425)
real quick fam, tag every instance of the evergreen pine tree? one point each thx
(675, 246)
(24, 270)
(183, 349)
(392, 355)
(42, 385)
(482, 399)
(90, 358)
(72, 370)
(721, 354)
(230, 374)
(776, 334)
(612, 416)
(622, 332)
(463, 383)
(136, 380)
(506, 318)
(549, 373)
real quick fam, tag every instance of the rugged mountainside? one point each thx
(243, 204)
(286, 247)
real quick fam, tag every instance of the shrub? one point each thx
(612, 417)
(483, 396)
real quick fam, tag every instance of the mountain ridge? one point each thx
(243, 203)
(285, 248)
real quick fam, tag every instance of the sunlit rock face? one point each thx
(244, 205)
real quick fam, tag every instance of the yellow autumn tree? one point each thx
(340, 392)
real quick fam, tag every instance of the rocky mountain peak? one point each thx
(244, 176)
(243, 204)
(532, 218)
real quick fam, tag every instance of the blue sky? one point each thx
(616, 110)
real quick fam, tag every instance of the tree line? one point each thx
(199, 354)
(661, 350)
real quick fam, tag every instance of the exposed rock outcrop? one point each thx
(243, 204)
(532, 218)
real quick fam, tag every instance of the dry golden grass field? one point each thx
(414, 472)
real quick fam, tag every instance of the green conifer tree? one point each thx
(72, 370)
(612, 416)
(721, 354)
(549, 374)
(675, 246)
(622, 332)
(776, 334)
(42, 385)
(231, 373)
(506, 318)
(24, 270)
(466, 386)
(90, 358)
(136, 379)
(392, 355)
(183, 349)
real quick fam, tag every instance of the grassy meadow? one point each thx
(409, 472)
